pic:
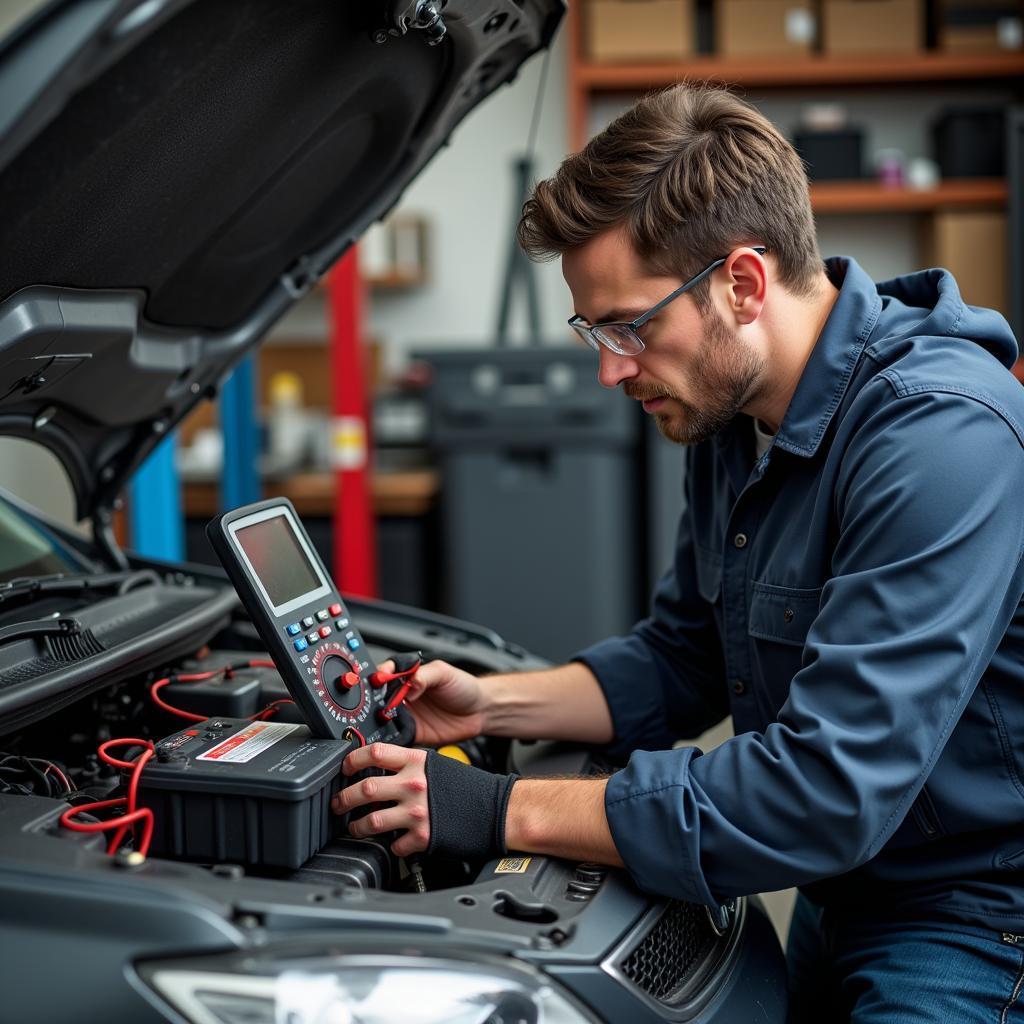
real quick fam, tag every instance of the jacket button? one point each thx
(739, 687)
(787, 615)
(740, 540)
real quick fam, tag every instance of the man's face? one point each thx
(695, 373)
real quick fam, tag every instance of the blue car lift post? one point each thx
(157, 523)
(240, 480)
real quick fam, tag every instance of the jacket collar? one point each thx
(836, 353)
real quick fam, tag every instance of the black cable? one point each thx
(23, 776)
(538, 105)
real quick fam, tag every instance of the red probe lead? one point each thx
(406, 666)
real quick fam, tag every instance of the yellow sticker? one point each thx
(348, 443)
(513, 866)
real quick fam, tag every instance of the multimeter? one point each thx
(298, 612)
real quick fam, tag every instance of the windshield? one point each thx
(27, 550)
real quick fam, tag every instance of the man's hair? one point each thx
(690, 173)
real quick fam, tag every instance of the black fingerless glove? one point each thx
(467, 808)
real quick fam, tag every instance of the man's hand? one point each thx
(447, 703)
(564, 703)
(563, 817)
(407, 790)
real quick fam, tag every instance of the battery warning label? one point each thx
(252, 740)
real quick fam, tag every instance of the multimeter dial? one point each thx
(338, 684)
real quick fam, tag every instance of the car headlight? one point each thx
(358, 989)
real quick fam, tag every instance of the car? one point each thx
(175, 175)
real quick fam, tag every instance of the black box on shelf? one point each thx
(971, 143)
(831, 155)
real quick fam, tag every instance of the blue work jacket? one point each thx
(853, 599)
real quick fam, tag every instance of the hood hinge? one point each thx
(422, 15)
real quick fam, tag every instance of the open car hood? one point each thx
(176, 173)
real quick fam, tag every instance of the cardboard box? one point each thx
(764, 28)
(639, 30)
(973, 245)
(873, 26)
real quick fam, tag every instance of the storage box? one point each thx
(980, 26)
(973, 245)
(639, 30)
(873, 26)
(831, 155)
(971, 143)
(764, 28)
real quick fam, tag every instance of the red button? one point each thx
(335, 609)
(325, 630)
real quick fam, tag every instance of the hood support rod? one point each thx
(104, 540)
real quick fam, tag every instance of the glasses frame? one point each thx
(595, 341)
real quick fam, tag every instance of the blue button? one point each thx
(300, 644)
(353, 643)
(294, 629)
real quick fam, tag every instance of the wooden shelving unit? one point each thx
(588, 80)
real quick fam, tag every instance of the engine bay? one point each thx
(229, 883)
(254, 783)
(169, 749)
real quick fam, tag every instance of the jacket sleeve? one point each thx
(664, 681)
(926, 576)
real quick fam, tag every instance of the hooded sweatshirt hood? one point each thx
(929, 303)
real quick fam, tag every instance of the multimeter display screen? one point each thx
(277, 558)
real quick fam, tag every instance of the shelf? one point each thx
(408, 493)
(813, 71)
(872, 197)
(395, 281)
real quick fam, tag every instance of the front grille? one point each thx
(672, 952)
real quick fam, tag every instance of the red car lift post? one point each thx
(355, 549)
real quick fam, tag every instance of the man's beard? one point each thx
(725, 372)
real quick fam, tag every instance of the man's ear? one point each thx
(746, 284)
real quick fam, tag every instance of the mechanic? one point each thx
(847, 584)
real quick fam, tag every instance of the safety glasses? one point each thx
(621, 337)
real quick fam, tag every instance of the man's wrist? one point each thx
(493, 690)
(562, 703)
(561, 817)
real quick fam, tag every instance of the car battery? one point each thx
(245, 792)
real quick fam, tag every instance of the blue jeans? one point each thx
(922, 973)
